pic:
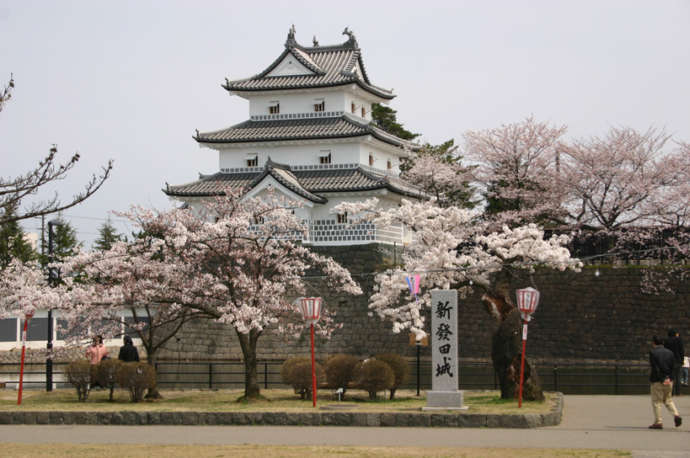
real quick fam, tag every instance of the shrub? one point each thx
(286, 369)
(296, 372)
(79, 375)
(340, 371)
(106, 374)
(373, 375)
(137, 378)
(400, 369)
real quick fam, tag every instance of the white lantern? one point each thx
(311, 309)
(527, 299)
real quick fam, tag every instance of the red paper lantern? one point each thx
(311, 309)
(527, 299)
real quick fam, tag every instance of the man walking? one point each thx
(675, 344)
(661, 363)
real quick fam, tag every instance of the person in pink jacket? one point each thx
(96, 351)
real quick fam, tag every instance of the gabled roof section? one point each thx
(308, 183)
(342, 126)
(332, 66)
(283, 175)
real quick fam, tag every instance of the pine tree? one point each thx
(65, 242)
(107, 236)
(386, 118)
(13, 244)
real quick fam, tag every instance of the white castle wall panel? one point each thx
(297, 103)
(341, 153)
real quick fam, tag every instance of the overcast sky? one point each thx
(131, 80)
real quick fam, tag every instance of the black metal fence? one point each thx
(569, 379)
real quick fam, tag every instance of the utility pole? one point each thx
(43, 235)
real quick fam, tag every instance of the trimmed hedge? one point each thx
(340, 371)
(296, 372)
(134, 377)
(400, 369)
(373, 376)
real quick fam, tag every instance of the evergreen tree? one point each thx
(107, 235)
(65, 242)
(386, 118)
(12, 243)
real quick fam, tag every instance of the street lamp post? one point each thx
(311, 311)
(527, 299)
(53, 276)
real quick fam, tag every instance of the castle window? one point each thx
(371, 160)
(364, 112)
(353, 108)
(342, 218)
(389, 164)
(274, 107)
(320, 105)
(325, 157)
(252, 160)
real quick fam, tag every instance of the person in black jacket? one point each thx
(675, 344)
(128, 352)
(661, 361)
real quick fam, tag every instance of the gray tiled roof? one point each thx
(332, 66)
(300, 129)
(307, 183)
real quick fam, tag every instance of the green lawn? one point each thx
(273, 400)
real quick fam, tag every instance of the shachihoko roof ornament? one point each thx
(332, 65)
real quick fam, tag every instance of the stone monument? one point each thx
(444, 394)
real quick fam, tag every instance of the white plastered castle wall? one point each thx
(297, 102)
(354, 151)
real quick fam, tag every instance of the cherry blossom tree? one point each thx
(130, 281)
(625, 178)
(238, 261)
(454, 248)
(516, 164)
(24, 289)
(438, 170)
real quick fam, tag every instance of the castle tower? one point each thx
(310, 136)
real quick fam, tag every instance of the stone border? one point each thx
(322, 418)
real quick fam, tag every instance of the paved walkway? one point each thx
(616, 422)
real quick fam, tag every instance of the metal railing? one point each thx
(570, 379)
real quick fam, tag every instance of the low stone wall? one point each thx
(320, 418)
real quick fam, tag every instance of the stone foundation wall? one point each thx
(580, 317)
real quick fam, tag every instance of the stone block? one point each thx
(42, 418)
(444, 399)
(153, 418)
(57, 418)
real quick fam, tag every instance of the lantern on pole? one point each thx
(527, 299)
(27, 317)
(311, 311)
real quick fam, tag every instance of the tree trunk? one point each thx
(506, 351)
(152, 393)
(251, 378)
(506, 346)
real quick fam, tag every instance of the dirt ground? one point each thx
(261, 451)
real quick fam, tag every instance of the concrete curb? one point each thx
(320, 418)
